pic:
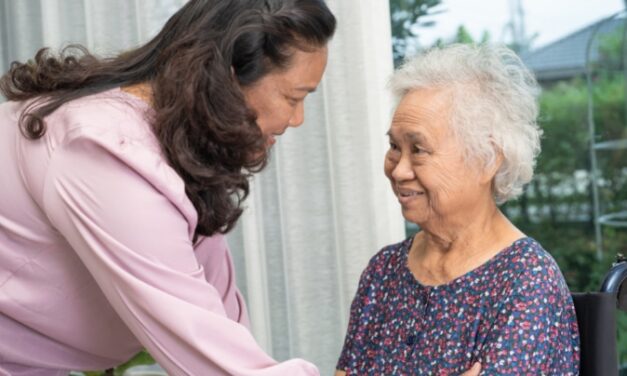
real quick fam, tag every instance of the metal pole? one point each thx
(594, 168)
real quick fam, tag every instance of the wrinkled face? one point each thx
(425, 161)
(278, 97)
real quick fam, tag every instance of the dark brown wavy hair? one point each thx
(205, 129)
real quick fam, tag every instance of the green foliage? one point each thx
(611, 50)
(563, 111)
(462, 35)
(407, 17)
(141, 358)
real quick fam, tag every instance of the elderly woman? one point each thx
(470, 287)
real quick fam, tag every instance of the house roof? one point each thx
(566, 57)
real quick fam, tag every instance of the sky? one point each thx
(550, 19)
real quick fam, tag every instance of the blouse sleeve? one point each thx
(214, 256)
(135, 242)
(535, 328)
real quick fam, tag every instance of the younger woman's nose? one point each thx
(298, 116)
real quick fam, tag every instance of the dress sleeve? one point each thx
(135, 242)
(356, 336)
(535, 328)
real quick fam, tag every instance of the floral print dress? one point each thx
(513, 314)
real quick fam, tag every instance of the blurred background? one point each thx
(322, 208)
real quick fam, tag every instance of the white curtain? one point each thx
(320, 210)
(105, 27)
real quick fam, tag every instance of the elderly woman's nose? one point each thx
(403, 170)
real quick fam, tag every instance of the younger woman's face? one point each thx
(278, 97)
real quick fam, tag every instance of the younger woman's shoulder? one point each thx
(108, 114)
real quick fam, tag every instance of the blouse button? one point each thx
(410, 340)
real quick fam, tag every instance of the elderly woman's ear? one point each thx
(491, 168)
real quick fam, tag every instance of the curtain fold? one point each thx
(320, 210)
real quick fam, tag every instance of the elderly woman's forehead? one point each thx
(435, 94)
(412, 135)
(423, 103)
(418, 110)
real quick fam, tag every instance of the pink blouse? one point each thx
(96, 256)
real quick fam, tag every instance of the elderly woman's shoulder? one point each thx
(535, 265)
(530, 252)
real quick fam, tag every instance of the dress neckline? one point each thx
(409, 276)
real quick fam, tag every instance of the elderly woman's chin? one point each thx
(415, 212)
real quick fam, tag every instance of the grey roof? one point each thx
(566, 57)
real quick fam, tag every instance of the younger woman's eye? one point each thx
(293, 101)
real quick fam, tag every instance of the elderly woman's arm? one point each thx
(535, 330)
(474, 371)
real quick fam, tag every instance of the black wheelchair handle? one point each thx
(615, 278)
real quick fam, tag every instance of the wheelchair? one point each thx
(596, 317)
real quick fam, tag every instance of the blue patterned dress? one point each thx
(514, 314)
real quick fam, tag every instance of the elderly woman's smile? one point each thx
(407, 195)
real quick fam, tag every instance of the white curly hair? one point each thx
(494, 106)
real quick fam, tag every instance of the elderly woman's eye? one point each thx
(393, 146)
(417, 150)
